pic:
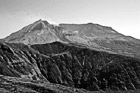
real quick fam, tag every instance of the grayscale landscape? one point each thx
(86, 57)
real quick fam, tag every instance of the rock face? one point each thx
(87, 56)
(19, 61)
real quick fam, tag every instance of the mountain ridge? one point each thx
(102, 38)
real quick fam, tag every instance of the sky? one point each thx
(121, 15)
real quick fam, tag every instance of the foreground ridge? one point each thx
(70, 65)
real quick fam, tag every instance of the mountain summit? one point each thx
(39, 32)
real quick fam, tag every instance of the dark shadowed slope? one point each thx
(90, 69)
(70, 65)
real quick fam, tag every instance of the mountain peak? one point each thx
(41, 21)
(39, 32)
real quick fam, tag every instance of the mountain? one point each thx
(69, 58)
(93, 36)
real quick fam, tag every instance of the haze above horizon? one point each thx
(121, 15)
